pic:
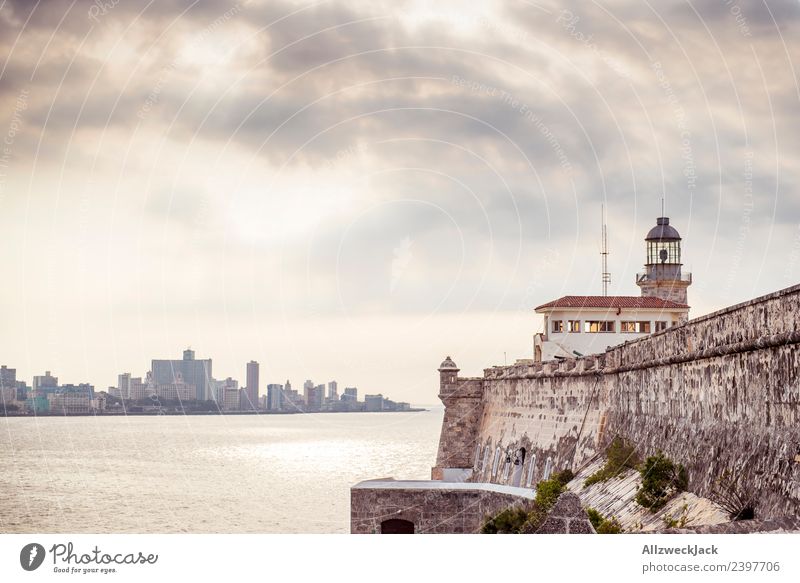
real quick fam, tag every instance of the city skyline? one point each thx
(178, 372)
(321, 187)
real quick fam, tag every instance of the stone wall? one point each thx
(455, 509)
(720, 394)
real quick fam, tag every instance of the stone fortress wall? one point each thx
(719, 394)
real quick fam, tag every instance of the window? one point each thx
(635, 327)
(661, 326)
(531, 469)
(506, 466)
(573, 325)
(548, 468)
(558, 326)
(496, 461)
(594, 326)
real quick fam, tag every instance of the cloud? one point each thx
(361, 159)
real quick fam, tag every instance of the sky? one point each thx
(355, 190)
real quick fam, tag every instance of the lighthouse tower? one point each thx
(663, 277)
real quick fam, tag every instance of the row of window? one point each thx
(518, 460)
(597, 326)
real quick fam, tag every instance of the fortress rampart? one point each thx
(719, 394)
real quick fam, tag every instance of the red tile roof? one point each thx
(613, 302)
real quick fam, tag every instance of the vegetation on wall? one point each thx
(620, 455)
(678, 521)
(603, 525)
(661, 480)
(737, 501)
(527, 520)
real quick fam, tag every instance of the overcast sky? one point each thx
(354, 190)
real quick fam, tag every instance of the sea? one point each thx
(203, 473)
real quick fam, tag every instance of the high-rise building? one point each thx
(195, 372)
(227, 394)
(44, 381)
(8, 377)
(124, 385)
(274, 397)
(252, 386)
(350, 394)
(333, 391)
(314, 397)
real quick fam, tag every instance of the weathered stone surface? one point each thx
(774, 526)
(566, 517)
(616, 498)
(719, 394)
(438, 509)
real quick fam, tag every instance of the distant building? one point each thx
(44, 381)
(8, 377)
(141, 389)
(70, 399)
(274, 397)
(227, 394)
(292, 401)
(333, 391)
(315, 396)
(177, 391)
(350, 393)
(195, 372)
(373, 402)
(123, 386)
(251, 402)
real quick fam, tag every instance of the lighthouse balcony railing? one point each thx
(643, 277)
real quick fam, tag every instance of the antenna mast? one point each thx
(606, 275)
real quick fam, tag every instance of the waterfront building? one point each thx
(177, 391)
(69, 399)
(314, 397)
(274, 397)
(140, 389)
(333, 391)
(8, 377)
(44, 381)
(583, 325)
(123, 386)
(228, 398)
(350, 393)
(251, 401)
(373, 402)
(195, 372)
(292, 400)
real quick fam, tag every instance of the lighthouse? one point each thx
(662, 276)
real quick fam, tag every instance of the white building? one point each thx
(70, 402)
(580, 325)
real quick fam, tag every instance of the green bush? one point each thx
(661, 479)
(620, 455)
(603, 525)
(548, 491)
(508, 521)
(679, 521)
(609, 526)
(518, 520)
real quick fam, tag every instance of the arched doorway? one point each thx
(397, 526)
